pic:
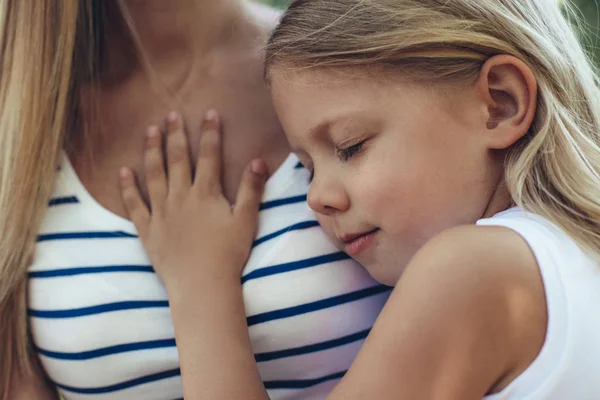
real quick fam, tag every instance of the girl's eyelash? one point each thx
(343, 154)
(348, 153)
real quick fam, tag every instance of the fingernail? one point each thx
(152, 131)
(258, 167)
(211, 115)
(124, 172)
(173, 116)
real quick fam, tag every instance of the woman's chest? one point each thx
(101, 321)
(118, 136)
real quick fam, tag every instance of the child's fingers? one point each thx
(178, 158)
(250, 194)
(156, 177)
(208, 169)
(136, 208)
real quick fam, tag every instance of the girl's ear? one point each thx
(509, 89)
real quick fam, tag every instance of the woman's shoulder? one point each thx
(264, 15)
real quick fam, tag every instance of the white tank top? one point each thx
(568, 366)
(101, 322)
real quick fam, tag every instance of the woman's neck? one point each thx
(170, 37)
(181, 27)
(215, 62)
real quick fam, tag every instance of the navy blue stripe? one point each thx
(294, 265)
(107, 351)
(103, 308)
(299, 166)
(63, 200)
(295, 227)
(166, 343)
(124, 385)
(84, 235)
(282, 202)
(275, 355)
(54, 273)
(302, 383)
(316, 306)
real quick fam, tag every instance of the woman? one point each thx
(80, 82)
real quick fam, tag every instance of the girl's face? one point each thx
(394, 163)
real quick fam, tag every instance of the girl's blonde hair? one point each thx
(49, 49)
(554, 170)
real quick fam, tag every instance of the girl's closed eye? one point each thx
(344, 154)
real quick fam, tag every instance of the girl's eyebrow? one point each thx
(330, 124)
(316, 131)
(322, 128)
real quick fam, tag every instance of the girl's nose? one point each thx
(327, 196)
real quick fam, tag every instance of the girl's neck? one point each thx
(500, 200)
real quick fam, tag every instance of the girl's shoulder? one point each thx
(514, 246)
(465, 319)
(484, 292)
(479, 267)
(503, 268)
(498, 251)
(514, 287)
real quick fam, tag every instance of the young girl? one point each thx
(455, 146)
(79, 83)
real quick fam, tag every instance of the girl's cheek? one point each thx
(327, 225)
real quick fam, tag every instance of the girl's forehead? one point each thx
(329, 77)
(331, 95)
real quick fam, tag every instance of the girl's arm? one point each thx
(198, 244)
(214, 347)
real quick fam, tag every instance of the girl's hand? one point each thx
(191, 230)
(198, 244)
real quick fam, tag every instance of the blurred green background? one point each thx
(589, 26)
(588, 22)
(277, 3)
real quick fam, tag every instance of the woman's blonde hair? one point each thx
(554, 170)
(49, 49)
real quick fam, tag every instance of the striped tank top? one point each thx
(100, 318)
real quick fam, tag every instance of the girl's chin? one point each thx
(382, 274)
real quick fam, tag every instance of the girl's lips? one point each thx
(358, 243)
